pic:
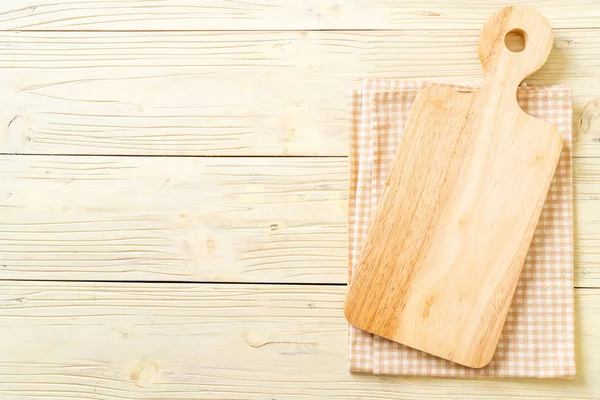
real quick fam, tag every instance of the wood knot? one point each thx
(144, 373)
(256, 339)
(587, 124)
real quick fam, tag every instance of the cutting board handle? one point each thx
(498, 60)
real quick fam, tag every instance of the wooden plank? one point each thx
(587, 221)
(246, 219)
(173, 341)
(237, 93)
(201, 219)
(275, 14)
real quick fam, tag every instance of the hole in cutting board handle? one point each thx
(515, 40)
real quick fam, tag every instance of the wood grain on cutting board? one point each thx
(445, 251)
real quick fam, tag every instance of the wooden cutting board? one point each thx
(445, 250)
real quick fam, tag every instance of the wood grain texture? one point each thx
(271, 93)
(445, 251)
(184, 341)
(587, 221)
(214, 219)
(275, 14)
(254, 219)
(138, 92)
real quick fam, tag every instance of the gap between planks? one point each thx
(145, 282)
(202, 156)
(158, 282)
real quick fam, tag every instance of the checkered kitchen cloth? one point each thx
(538, 337)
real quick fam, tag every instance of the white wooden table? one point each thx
(137, 266)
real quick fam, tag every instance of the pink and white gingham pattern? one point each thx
(538, 336)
